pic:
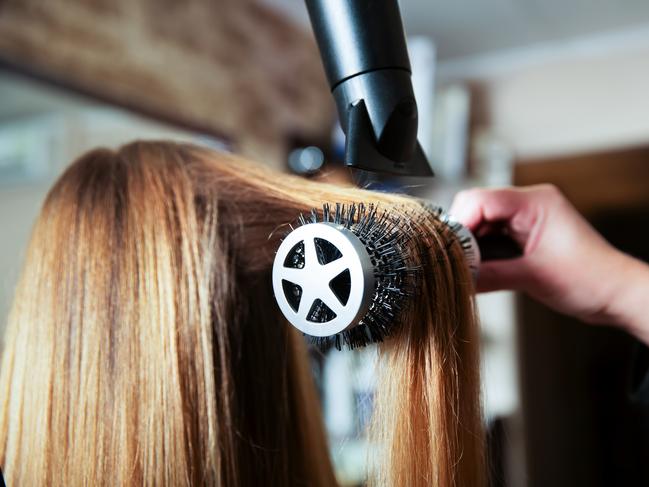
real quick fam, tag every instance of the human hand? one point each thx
(565, 264)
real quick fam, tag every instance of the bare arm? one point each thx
(566, 264)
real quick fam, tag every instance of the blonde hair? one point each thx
(144, 346)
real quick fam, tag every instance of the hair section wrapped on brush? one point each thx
(389, 277)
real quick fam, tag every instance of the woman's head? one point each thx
(144, 345)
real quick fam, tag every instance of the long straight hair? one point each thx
(144, 346)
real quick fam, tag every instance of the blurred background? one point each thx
(509, 92)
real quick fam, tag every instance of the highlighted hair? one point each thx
(144, 346)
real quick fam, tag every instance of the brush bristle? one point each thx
(386, 238)
(458, 233)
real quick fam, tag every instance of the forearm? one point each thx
(629, 304)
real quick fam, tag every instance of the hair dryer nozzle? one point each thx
(363, 152)
(363, 49)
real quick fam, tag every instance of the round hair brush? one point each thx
(344, 277)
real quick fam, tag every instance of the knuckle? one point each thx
(550, 190)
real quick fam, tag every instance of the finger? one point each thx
(513, 274)
(477, 206)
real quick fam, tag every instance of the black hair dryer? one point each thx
(363, 49)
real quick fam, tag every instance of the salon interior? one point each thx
(508, 92)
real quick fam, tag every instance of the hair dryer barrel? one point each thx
(364, 52)
(357, 36)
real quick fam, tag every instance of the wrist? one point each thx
(629, 300)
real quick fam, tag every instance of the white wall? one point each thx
(576, 96)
